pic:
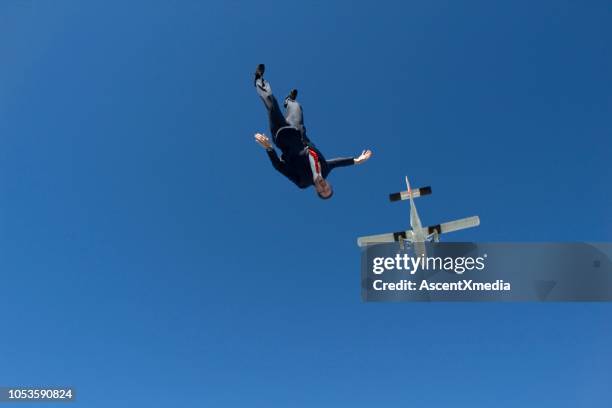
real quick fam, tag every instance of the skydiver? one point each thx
(300, 161)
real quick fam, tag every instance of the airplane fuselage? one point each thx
(418, 233)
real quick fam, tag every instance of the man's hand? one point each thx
(365, 155)
(263, 141)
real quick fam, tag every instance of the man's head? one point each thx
(323, 188)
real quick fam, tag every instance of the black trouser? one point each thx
(293, 117)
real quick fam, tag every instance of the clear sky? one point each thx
(151, 256)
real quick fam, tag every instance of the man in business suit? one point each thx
(300, 161)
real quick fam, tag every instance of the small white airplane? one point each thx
(417, 234)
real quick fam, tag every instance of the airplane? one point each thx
(418, 234)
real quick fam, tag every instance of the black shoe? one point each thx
(291, 97)
(259, 71)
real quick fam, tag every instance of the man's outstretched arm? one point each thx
(278, 164)
(264, 142)
(349, 161)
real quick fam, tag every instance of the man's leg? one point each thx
(275, 116)
(294, 114)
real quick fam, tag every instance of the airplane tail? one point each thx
(405, 195)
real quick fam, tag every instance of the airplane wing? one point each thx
(405, 195)
(456, 225)
(384, 238)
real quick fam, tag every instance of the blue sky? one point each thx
(152, 257)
